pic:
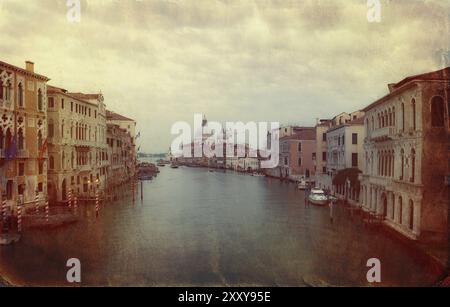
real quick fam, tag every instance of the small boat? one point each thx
(258, 175)
(317, 197)
(173, 166)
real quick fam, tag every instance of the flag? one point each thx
(11, 151)
(43, 149)
(138, 135)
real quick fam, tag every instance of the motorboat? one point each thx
(318, 197)
(302, 184)
(173, 165)
(258, 175)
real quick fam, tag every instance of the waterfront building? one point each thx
(23, 134)
(406, 156)
(320, 162)
(345, 154)
(297, 154)
(120, 155)
(78, 159)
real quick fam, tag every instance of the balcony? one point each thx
(382, 134)
(5, 104)
(23, 154)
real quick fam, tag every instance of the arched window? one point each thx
(2, 138)
(402, 154)
(20, 94)
(72, 159)
(63, 160)
(393, 207)
(386, 119)
(373, 124)
(413, 165)
(413, 113)
(403, 116)
(8, 91)
(20, 139)
(411, 214)
(51, 162)
(393, 116)
(299, 161)
(1, 90)
(400, 210)
(437, 111)
(390, 117)
(39, 140)
(8, 141)
(62, 128)
(40, 100)
(51, 128)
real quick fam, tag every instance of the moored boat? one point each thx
(317, 197)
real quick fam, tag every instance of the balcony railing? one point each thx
(23, 153)
(382, 133)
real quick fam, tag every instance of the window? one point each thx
(413, 166)
(51, 102)
(411, 214)
(314, 156)
(41, 167)
(39, 143)
(354, 138)
(40, 187)
(20, 139)
(400, 205)
(324, 169)
(354, 160)
(21, 169)
(403, 116)
(299, 147)
(324, 137)
(71, 106)
(343, 140)
(402, 154)
(286, 161)
(62, 103)
(437, 111)
(20, 94)
(40, 101)
(324, 156)
(51, 162)
(51, 128)
(299, 161)
(413, 106)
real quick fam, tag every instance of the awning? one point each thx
(350, 174)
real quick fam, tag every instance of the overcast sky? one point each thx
(288, 61)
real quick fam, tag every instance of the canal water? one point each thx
(200, 228)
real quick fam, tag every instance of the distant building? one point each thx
(120, 153)
(296, 155)
(407, 156)
(23, 134)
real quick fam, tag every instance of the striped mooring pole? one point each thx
(69, 198)
(97, 203)
(19, 217)
(4, 210)
(47, 211)
(36, 202)
(75, 202)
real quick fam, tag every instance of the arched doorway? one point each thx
(64, 190)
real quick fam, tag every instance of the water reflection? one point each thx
(200, 228)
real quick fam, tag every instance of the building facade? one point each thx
(406, 156)
(23, 134)
(78, 158)
(320, 162)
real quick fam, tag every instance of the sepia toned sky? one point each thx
(288, 61)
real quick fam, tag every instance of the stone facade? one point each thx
(121, 155)
(406, 156)
(23, 134)
(77, 150)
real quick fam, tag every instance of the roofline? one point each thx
(67, 94)
(24, 71)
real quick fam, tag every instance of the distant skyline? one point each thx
(159, 62)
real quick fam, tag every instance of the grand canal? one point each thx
(197, 228)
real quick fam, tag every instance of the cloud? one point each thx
(163, 61)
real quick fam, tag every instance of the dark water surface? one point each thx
(207, 229)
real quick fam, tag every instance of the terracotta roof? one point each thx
(114, 116)
(86, 96)
(308, 134)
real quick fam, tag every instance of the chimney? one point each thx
(29, 66)
(391, 87)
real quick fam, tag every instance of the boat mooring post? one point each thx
(142, 190)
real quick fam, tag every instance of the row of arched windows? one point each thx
(386, 164)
